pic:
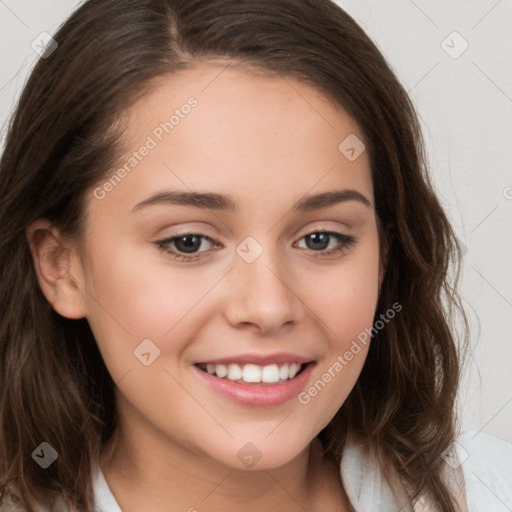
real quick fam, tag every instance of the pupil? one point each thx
(322, 238)
(189, 243)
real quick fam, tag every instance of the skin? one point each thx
(266, 142)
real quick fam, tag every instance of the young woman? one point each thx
(225, 273)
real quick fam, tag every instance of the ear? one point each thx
(58, 269)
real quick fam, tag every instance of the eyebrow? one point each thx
(213, 201)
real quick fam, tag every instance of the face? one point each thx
(263, 283)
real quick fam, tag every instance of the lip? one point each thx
(257, 395)
(259, 359)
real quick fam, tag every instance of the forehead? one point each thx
(230, 97)
(225, 130)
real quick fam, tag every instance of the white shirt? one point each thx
(483, 461)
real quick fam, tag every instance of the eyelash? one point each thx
(347, 241)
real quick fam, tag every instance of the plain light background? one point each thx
(464, 99)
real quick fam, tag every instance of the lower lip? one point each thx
(258, 395)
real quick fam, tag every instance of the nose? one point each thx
(262, 294)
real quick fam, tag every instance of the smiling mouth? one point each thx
(272, 374)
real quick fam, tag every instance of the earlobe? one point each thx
(58, 269)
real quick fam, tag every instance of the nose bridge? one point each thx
(262, 293)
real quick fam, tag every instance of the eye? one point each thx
(186, 246)
(187, 243)
(319, 241)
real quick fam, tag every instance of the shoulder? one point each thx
(486, 462)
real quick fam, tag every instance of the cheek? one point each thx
(345, 297)
(344, 302)
(128, 302)
(134, 296)
(133, 285)
(350, 318)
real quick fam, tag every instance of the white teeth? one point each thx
(284, 371)
(221, 370)
(294, 368)
(270, 373)
(234, 372)
(253, 373)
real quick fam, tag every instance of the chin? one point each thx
(261, 453)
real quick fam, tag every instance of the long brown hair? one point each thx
(54, 385)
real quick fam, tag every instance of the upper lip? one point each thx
(259, 359)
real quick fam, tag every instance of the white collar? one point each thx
(364, 483)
